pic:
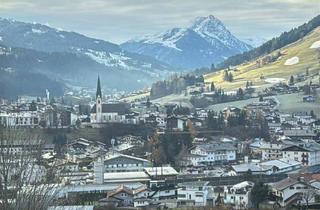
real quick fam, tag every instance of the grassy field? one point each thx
(174, 98)
(136, 97)
(289, 103)
(293, 103)
(308, 58)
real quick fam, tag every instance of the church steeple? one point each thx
(98, 102)
(98, 93)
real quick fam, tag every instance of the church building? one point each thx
(102, 113)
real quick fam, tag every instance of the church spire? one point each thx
(98, 93)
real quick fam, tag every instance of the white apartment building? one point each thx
(193, 193)
(308, 154)
(20, 119)
(238, 195)
(212, 153)
(271, 150)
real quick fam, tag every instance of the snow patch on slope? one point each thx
(166, 39)
(108, 59)
(315, 45)
(292, 61)
(38, 31)
(274, 80)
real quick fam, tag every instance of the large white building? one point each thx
(20, 119)
(238, 195)
(211, 153)
(271, 150)
(115, 163)
(306, 153)
(194, 194)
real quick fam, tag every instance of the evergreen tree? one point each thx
(148, 103)
(240, 93)
(212, 87)
(260, 98)
(259, 193)
(247, 85)
(225, 75)
(307, 89)
(213, 68)
(312, 114)
(230, 77)
(291, 81)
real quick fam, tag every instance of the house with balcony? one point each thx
(195, 194)
(307, 153)
(238, 195)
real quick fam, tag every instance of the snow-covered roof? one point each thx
(165, 171)
(281, 163)
(242, 185)
(126, 175)
(71, 208)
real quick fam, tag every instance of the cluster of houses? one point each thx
(217, 170)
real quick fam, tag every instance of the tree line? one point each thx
(175, 85)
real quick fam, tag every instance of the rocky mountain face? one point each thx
(202, 43)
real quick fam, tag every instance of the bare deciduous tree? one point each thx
(308, 196)
(24, 180)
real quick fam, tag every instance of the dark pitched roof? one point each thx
(120, 108)
(295, 148)
(98, 93)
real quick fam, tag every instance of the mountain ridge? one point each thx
(47, 49)
(205, 41)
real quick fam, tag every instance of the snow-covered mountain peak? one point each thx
(204, 41)
(166, 39)
(208, 22)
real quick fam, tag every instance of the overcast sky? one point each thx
(120, 20)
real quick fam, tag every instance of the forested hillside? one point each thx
(274, 44)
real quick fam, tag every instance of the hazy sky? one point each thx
(120, 20)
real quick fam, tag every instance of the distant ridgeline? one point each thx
(175, 85)
(274, 44)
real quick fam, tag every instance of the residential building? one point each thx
(116, 162)
(271, 150)
(291, 190)
(267, 167)
(125, 197)
(239, 195)
(193, 193)
(20, 119)
(212, 153)
(308, 154)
